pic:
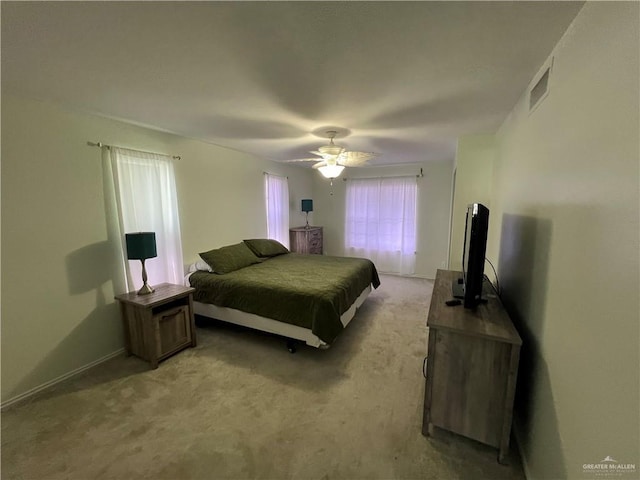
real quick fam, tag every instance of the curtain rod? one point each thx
(108, 147)
(419, 175)
(275, 175)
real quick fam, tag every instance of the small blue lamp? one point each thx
(307, 206)
(140, 246)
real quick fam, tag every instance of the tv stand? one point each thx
(457, 289)
(472, 366)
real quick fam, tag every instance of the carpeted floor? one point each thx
(240, 406)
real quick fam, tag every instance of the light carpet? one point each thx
(240, 406)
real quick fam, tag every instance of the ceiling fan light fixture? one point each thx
(331, 150)
(331, 171)
(333, 158)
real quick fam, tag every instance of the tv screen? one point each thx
(473, 253)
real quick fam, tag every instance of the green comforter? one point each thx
(311, 291)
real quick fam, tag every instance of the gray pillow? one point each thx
(230, 258)
(266, 247)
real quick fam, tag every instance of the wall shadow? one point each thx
(89, 267)
(525, 244)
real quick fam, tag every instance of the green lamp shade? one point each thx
(307, 205)
(141, 245)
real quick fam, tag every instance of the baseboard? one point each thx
(424, 277)
(24, 396)
(413, 275)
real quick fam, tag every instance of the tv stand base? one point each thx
(471, 367)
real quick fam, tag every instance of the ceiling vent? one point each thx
(540, 89)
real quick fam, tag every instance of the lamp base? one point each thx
(145, 290)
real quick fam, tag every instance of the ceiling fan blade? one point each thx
(355, 159)
(319, 164)
(299, 160)
(327, 156)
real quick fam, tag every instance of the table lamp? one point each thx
(307, 206)
(140, 246)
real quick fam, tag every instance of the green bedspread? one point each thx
(311, 291)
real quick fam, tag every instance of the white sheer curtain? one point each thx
(146, 201)
(277, 200)
(381, 222)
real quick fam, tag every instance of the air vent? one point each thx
(540, 89)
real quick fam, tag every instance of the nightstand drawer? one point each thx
(174, 329)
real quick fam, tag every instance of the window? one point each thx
(277, 200)
(146, 201)
(381, 222)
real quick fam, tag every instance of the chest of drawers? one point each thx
(306, 240)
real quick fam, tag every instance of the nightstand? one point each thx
(159, 324)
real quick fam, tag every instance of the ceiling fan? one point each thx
(334, 158)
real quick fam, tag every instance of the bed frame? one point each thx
(265, 324)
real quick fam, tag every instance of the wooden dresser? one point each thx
(471, 367)
(306, 240)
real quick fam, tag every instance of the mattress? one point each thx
(309, 291)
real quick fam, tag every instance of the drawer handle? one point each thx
(424, 366)
(170, 313)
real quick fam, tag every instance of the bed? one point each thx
(310, 298)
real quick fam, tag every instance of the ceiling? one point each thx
(402, 79)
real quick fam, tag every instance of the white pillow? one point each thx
(200, 265)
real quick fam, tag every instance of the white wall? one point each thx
(221, 194)
(434, 199)
(564, 223)
(58, 312)
(473, 179)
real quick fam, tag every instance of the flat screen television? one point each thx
(473, 254)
